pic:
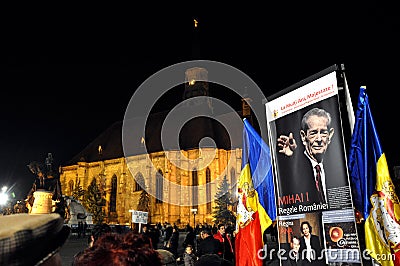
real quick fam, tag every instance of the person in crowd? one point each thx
(197, 229)
(159, 227)
(188, 258)
(155, 236)
(84, 228)
(120, 249)
(167, 233)
(226, 247)
(214, 229)
(146, 232)
(32, 239)
(208, 244)
(190, 237)
(174, 242)
(80, 229)
(152, 233)
(310, 246)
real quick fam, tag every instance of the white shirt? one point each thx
(309, 254)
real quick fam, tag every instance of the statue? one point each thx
(46, 180)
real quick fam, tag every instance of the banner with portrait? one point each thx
(311, 178)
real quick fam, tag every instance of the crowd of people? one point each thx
(159, 245)
(106, 245)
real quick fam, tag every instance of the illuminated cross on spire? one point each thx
(196, 39)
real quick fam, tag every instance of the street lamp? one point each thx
(3, 200)
(194, 211)
(3, 196)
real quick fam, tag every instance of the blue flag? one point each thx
(256, 198)
(373, 190)
(365, 152)
(257, 154)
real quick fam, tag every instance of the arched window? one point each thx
(234, 192)
(195, 183)
(139, 182)
(113, 196)
(159, 187)
(71, 186)
(234, 183)
(208, 189)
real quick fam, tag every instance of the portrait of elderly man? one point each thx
(307, 173)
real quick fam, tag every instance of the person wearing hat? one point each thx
(32, 239)
(167, 258)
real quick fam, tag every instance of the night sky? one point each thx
(68, 73)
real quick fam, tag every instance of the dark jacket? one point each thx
(296, 182)
(226, 247)
(174, 242)
(189, 239)
(168, 232)
(295, 176)
(316, 246)
(292, 262)
(208, 245)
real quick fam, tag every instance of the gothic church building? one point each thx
(165, 173)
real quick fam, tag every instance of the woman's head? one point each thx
(306, 228)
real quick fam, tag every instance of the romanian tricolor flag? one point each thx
(373, 190)
(256, 207)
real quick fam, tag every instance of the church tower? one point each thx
(196, 78)
(196, 85)
(207, 151)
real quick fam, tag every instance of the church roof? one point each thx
(109, 144)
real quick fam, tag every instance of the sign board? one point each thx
(309, 201)
(139, 217)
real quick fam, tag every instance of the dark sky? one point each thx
(68, 73)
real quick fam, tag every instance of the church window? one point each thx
(113, 196)
(159, 187)
(208, 189)
(195, 183)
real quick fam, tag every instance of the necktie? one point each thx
(318, 184)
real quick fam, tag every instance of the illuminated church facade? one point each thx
(164, 173)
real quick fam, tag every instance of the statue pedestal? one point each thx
(42, 203)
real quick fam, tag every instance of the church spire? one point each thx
(196, 78)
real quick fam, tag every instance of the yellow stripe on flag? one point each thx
(382, 227)
(252, 202)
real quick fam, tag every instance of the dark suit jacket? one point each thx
(208, 245)
(290, 262)
(296, 178)
(315, 245)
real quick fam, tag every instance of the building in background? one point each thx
(104, 160)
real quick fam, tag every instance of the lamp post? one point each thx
(3, 200)
(194, 211)
(3, 195)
